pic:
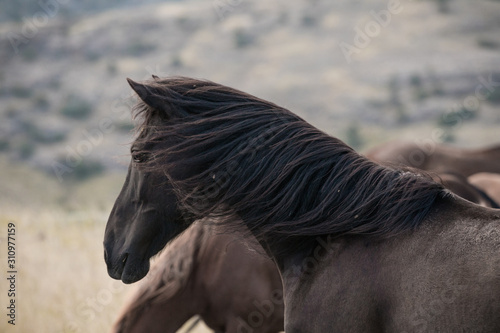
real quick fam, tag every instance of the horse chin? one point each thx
(134, 271)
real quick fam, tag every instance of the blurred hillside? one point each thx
(20, 9)
(343, 65)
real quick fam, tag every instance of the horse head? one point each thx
(145, 216)
(188, 147)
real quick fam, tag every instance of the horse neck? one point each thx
(165, 316)
(170, 315)
(347, 186)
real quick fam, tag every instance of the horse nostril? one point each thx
(124, 259)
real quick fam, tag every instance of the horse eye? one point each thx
(140, 157)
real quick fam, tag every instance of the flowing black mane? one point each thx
(227, 152)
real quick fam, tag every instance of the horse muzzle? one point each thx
(126, 267)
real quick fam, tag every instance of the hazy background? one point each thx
(345, 66)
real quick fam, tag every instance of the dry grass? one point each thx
(62, 283)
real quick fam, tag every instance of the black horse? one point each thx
(360, 247)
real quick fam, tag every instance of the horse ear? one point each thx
(147, 95)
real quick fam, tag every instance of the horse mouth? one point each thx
(134, 272)
(134, 276)
(129, 269)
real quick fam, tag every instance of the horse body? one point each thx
(360, 246)
(440, 278)
(488, 182)
(461, 186)
(438, 158)
(213, 275)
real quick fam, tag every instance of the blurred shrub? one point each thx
(454, 118)
(177, 61)
(395, 100)
(38, 135)
(112, 68)
(417, 85)
(4, 144)
(26, 149)
(187, 24)
(29, 53)
(92, 56)
(308, 20)
(488, 44)
(125, 127)
(494, 96)
(20, 92)
(54, 83)
(448, 137)
(87, 169)
(41, 102)
(242, 38)
(76, 107)
(49, 136)
(353, 137)
(138, 48)
(11, 112)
